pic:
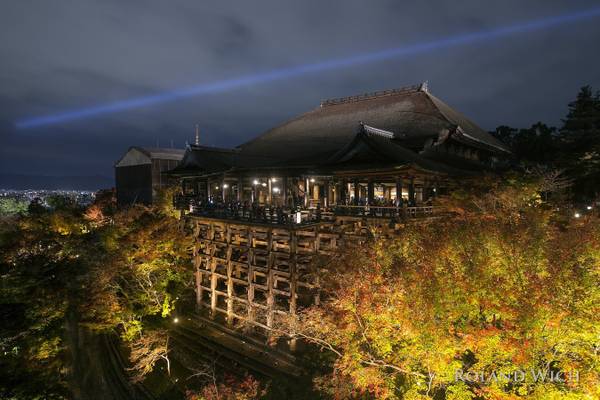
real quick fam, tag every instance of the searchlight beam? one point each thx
(299, 70)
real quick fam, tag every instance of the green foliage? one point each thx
(39, 260)
(61, 202)
(119, 273)
(10, 206)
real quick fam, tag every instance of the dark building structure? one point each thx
(264, 213)
(141, 172)
(389, 148)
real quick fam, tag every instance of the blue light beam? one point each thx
(294, 71)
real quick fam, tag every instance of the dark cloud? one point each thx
(66, 54)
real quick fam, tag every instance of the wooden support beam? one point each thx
(251, 316)
(306, 193)
(370, 192)
(270, 193)
(240, 188)
(399, 200)
(230, 292)
(284, 190)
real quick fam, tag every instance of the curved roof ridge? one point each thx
(467, 126)
(373, 95)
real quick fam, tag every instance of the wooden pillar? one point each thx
(250, 291)
(306, 193)
(370, 192)
(198, 274)
(293, 281)
(411, 192)
(399, 199)
(356, 192)
(284, 189)
(240, 188)
(213, 287)
(326, 194)
(343, 190)
(208, 190)
(270, 276)
(230, 292)
(270, 189)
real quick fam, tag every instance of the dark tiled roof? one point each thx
(162, 153)
(412, 114)
(368, 150)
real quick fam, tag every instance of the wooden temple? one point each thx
(266, 213)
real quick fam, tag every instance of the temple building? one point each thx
(384, 152)
(141, 172)
(265, 213)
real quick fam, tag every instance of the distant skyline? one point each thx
(64, 55)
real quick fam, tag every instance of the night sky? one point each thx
(61, 55)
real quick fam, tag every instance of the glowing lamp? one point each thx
(255, 182)
(312, 179)
(577, 215)
(589, 207)
(175, 320)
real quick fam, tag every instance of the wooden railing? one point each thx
(286, 216)
(384, 211)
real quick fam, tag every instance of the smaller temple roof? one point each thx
(136, 155)
(373, 147)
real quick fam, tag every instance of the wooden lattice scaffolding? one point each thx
(252, 273)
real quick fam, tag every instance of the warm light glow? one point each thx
(175, 320)
(276, 189)
(264, 184)
(225, 186)
(312, 179)
(273, 179)
(589, 207)
(255, 182)
(577, 215)
(216, 187)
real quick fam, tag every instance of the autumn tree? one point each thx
(138, 270)
(40, 265)
(507, 284)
